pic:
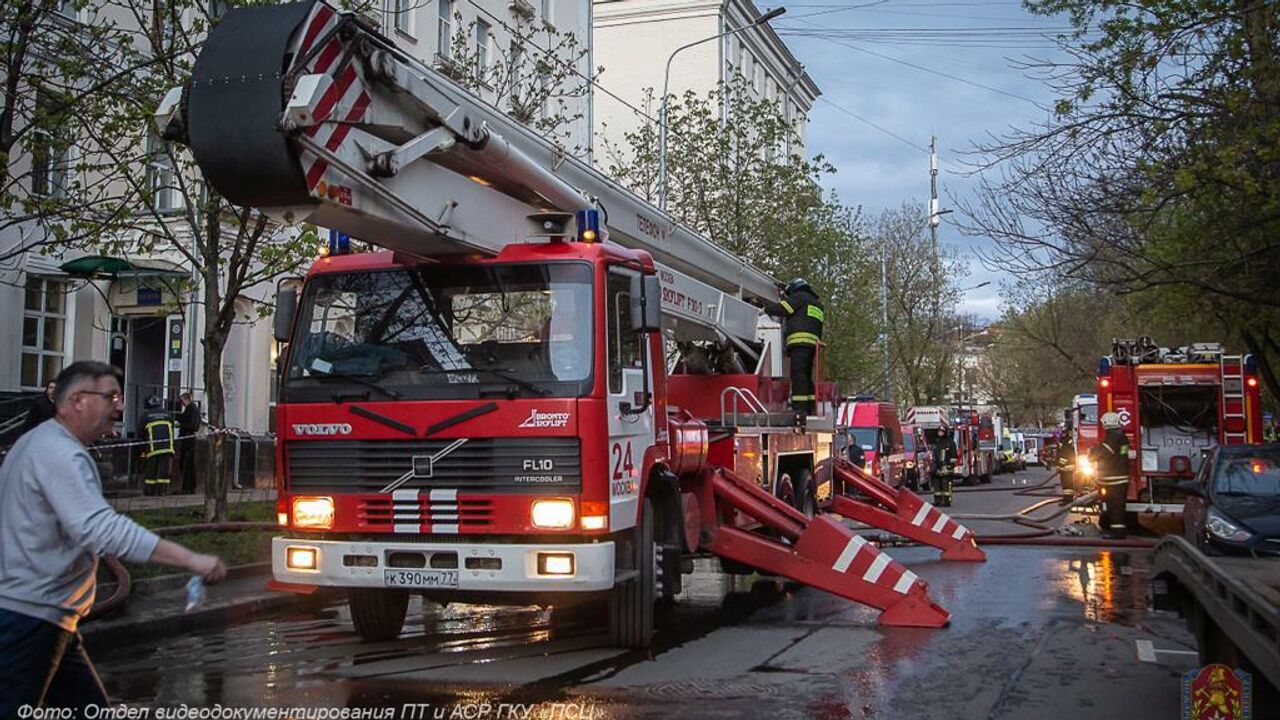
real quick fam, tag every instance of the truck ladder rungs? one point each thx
(823, 554)
(901, 512)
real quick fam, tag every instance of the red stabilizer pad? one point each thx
(907, 515)
(830, 557)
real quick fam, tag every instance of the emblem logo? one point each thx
(1215, 692)
(539, 419)
(322, 429)
(424, 466)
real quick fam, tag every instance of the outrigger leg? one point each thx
(822, 553)
(901, 512)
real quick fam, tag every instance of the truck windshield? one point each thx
(446, 331)
(1088, 414)
(865, 437)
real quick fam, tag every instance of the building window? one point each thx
(547, 13)
(44, 319)
(445, 39)
(162, 181)
(67, 9)
(483, 36)
(218, 8)
(50, 152)
(401, 9)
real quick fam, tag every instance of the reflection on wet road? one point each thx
(1036, 632)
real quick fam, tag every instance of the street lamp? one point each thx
(666, 81)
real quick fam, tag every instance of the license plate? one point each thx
(421, 578)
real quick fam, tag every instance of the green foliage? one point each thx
(1159, 172)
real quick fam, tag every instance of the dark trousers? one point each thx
(803, 398)
(1113, 508)
(187, 463)
(157, 469)
(40, 663)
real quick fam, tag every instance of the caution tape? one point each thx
(209, 431)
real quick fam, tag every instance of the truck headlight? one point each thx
(313, 512)
(1222, 528)
(552, 514)
(1084, 466)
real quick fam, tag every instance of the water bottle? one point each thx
(195, 593)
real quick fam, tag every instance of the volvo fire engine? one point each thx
(484, 409)
(1174, 403)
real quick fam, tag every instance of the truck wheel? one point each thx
(806, 493)
(631, 603)
(378, 614)
(786, 490)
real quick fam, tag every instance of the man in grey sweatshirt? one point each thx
(54, 523)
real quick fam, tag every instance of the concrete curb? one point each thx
(164, 583)
(167, 592)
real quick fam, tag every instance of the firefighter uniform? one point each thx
(158, 431)
(946, 456)
(1111, 458)
(802, 317)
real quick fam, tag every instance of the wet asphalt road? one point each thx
(1037, 632)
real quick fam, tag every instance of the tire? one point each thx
(806, 493)
(378, 614)
(631, 604)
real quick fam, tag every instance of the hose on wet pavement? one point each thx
(124, 584)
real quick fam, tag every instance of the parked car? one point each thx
(918, 468)
(874, 427)
(1233, 504)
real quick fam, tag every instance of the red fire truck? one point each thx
(1173, 403)
(484, 411)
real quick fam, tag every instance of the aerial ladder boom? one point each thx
(307, 114)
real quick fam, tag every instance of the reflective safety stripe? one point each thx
(876, 569)
(787, 306)
(804, 397)
(814, 311)
(802, 338)
(905, 582)
(850, 552)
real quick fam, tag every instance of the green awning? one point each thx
(91, 266)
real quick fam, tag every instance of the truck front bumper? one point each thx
(480, 567)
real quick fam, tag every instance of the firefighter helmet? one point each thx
(1111, 421)
(153, 402)
(797, 284)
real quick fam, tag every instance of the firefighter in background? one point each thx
(802, 317)
(1111, 458)
(946, 456)
(1271, 433)
(156, 429)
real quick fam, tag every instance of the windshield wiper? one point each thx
(357, 379)
(503, 373)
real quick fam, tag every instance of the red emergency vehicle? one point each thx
(874, 426)
(1173, 404)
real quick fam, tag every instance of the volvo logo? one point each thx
(423, 466)
(322, 429)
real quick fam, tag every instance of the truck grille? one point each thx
(464, 514)
(504, 464)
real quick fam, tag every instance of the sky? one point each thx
(861, 54)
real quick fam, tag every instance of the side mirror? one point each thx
(286, 306)
(1190, 487)
(646, 303)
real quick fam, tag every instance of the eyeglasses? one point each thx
(111, 397)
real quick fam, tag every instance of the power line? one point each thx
(881, 128)
(922, 68)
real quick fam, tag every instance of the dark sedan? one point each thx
(1233, 505)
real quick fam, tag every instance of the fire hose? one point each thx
(124, 584)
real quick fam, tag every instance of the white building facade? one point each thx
(137, 313)
(633, 40)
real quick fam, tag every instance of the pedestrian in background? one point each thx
(189, 422)
(54, 524)
(40, 409)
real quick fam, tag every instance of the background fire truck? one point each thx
(1174, 403)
